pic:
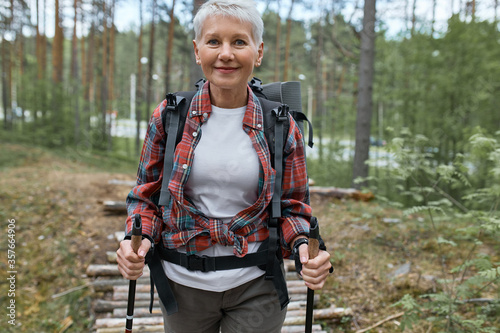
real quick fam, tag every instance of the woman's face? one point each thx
(227, 53)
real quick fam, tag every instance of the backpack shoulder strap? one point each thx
(173, 117)
(269, 109)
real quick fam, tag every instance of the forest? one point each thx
(409, 114)
(92, 87)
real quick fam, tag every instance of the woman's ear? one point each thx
(260, 54)
(196, 55)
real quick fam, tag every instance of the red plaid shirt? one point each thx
(181, 223)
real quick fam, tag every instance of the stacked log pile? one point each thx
(110, 302)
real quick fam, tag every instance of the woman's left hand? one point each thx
(314, 271)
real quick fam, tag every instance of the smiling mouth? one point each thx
(226, 69)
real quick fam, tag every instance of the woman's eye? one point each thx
(240, 42)
(212, 42)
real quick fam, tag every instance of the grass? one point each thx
(41, 190)
(368, 251)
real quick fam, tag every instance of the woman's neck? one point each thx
(228, 99)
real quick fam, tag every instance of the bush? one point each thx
(469, 277)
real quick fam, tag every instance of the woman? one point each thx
(221, 185)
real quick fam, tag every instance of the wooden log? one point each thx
(289, 265)
(108, 284)
(140, 288)
(341, 193)
(303, 297)
(297, 290)
(328, 313)
(138, 296)
(101, 305)
(130, 183)
(105, 284)
(114, 206)
(142, 329)
(120, 322)
(296, 305)
(111, 257)
(298, 317)
(295, 284)
(138, 312)
(103, 270)
(109, 270)
(300, 329)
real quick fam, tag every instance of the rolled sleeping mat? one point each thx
(284, 92)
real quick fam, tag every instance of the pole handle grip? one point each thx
(313, 238)
(137, 233)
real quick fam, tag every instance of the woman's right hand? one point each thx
(131, 264)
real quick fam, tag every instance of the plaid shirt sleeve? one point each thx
(296, 213)
(143, 199)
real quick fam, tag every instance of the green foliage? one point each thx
(412, 311)
(423, 182)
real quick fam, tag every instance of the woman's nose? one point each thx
(226, 52)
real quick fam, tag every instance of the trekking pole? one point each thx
(313, 252)
(136, 243)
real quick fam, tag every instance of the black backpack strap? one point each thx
(168, 161)
(159, 279)
(281, 115)
(300, 117)
(273, 269)
(175, 117)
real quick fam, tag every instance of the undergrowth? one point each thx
(465, 231)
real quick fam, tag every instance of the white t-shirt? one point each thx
(223, 181)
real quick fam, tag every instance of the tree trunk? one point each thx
(319, 88)
(278, 45)
(44, 39)
(74, 43)
(74, 73)
(82, 53)
(20, 49)
(413, 17)
(111, 66)
(287, 46)
(38, 52)
(496, 11)
(170, 46)
(138, 86)
(104, 78)
(365, 87)
(89, 82)
(6, 87)
(149, 85)
(57, 48)
(433, 23)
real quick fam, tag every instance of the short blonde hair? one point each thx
(243, 10)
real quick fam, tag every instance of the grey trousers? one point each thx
(250, 308)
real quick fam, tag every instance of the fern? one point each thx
(491, 274)
(423, 184)
(412, 311)
(420, 209)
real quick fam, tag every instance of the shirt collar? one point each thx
(202, 105)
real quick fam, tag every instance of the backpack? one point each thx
(278, 100)
(280, 97)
